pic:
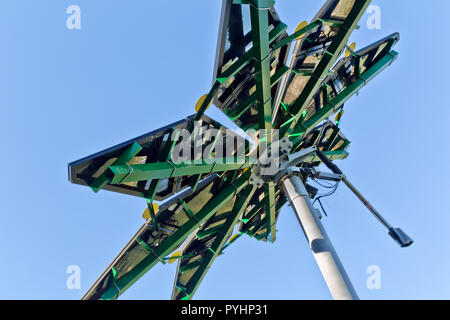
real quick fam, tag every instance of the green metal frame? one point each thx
(322, 69)
(160, 170)
(333, 105)
(129, 154)
(222, 231)
(168, 245)
(233, 70)
(260, 31)
(234, 183)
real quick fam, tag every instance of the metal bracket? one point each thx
(326, 175)
(397, 234)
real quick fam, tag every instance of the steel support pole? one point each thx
(323, 251)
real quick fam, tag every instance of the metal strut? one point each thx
(396, 233)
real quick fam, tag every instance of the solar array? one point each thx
(209, 203)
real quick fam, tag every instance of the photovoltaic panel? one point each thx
(204, 203)
(236, 98)
(171, 217)
(87, 170)
(312, 46)
(343, 75)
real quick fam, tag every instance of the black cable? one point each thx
(326, 195)
(323, 185)
(320, 202)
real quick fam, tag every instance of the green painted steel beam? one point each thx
(332, 155)
(211, 94)
(236, 67)
(265, 4)
(295, 35)
(244, 60)
(278, 75)
(186, 208)
(253, 212)
(248, 225)
(169, 244)
(190, 266)
(333, 22)
(160, 170)
(259, 16)
(218, 243)
(194, 181)
(230, 186)
(338, 101)
(126, 156)
(229, 243)
(166, 154)
(152, 212)
(325, 64)
(257, 227)
(269, 191)
(232, 71)
(251, 100)
(247, 104)
(209, 232)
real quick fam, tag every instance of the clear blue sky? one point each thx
(137, 66)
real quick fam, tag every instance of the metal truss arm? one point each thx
(129, 154)
(169, 244)
(165, 156)
(346, 94)
(219, 241)
(259, 15)
(160, 170)
(261, 58)
(295, 35)
(241, 63)
(269, 191)
(250, 101)
(321, 70)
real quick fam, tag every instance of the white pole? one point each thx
(326, 257)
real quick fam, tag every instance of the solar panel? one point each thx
(347, 76)
(178, 211)
(237, 98)
(315, 52)
(312, 46)
(171, 217)
(326, 137)
(153, 147)
(204, 198)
